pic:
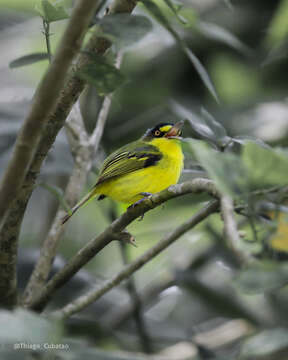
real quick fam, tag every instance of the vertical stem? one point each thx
(251, 215)
(137, 305)
(46, 27)
(231, 231)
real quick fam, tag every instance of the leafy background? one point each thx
(233, 96)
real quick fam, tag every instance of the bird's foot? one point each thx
(126, 237)
(145, 195)
(141, 217)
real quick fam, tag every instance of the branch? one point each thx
(115, 230)
(56, 118)
(136, 304)
(45, 99)
(94, 294)
(46, 32)
(78, 178)
(11, 227)
(103, 114)
(83, 147)
(117, 315)
(224, 334)
(26, 144)
(231, 231)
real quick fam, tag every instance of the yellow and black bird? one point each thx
(143, 167)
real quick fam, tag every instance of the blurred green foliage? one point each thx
(174, 53)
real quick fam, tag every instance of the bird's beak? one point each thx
(175, 131)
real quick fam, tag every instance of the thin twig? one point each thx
(118, 315)
(77, 180)
(94, 294)
(251, 217)
(137, 305)
(103, 114)
(230, 229)
(75, 130)
(46, 27)
(149, 295)
(115, 231)
(135, 300)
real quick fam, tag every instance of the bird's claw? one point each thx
(138, 202)
(126, 237)
(141, 217)
(146, 195)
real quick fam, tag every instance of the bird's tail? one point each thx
(83, 201)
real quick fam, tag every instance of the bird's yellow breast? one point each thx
(279, 240)
(128, 188)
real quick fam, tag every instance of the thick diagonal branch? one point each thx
(112, 232)
(94, 294)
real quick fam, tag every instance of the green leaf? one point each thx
(25, 326)
(202, 72)
(265, 343)
(104, 76)
(265, 166)
(175, 9)
(216, 32)
(51, 11)
(276, 54)
(228, 4)
(125, 29)
(208, 129)
(220, 133)
(244, 139)
(152, 7)
(58, 192)
(190, 17)
(226, 169)
(199, 128)
(28, 59)
(257, 167)
(262, 277)
(39, 8)
(278, 29)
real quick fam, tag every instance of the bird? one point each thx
(140, 168)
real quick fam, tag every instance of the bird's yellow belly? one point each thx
(128, 188)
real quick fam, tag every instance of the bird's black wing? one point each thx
(129, 158)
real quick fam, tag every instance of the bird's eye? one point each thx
(157, 132)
